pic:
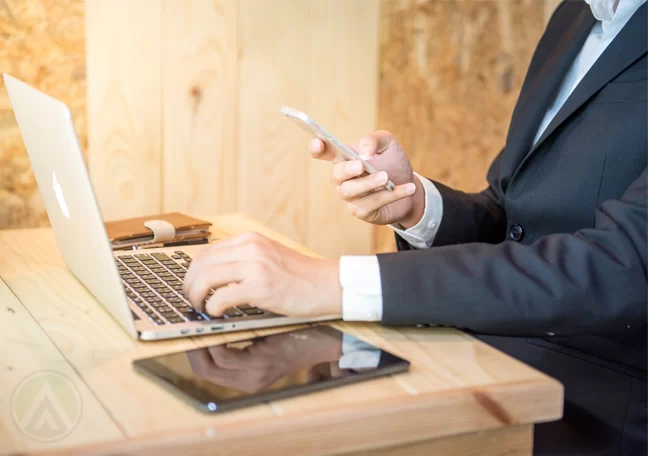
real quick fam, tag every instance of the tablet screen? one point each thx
(223, 377)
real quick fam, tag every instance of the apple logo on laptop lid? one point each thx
(58, 191)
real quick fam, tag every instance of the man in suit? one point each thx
(547, 264)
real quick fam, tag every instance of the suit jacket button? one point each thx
(516, 232)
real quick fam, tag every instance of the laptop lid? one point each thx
(53, 148)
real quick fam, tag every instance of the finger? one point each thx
(367, 146)
(228, 358)
(237, 249)
(336, 372)
(319, 151)
(226, 297)
(200, 362)
(239, 359)
(212, 277)
(244, 238)
(366, 205)
(361, 186)
(318, 372)
(203, 366)
(373, 144)
(346, 170)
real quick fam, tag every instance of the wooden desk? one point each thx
(460, 397)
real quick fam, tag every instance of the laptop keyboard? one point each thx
(154, 283)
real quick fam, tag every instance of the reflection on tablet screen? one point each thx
(265, 365)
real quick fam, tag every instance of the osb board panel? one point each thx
(450, 74)
(42, 43)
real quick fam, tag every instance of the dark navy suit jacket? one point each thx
(552, 254)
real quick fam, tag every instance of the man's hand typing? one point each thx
(252, 269)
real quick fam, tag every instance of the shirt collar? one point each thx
(613, 20)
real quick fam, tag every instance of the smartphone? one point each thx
(343, 151)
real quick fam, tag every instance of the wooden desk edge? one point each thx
(381, 419)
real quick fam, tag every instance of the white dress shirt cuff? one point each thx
(421, 235)
(361, 288)
(358, 354)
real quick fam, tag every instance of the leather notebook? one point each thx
(156, 230)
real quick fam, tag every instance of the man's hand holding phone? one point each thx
(267, 274)
(365, 194)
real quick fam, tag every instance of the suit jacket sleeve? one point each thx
(593, 280)
(469, 217)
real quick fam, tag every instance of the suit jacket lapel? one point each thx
(628, 46)
(540, 89)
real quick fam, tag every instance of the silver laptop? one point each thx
(142, 289)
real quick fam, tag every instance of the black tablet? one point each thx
(229, 376)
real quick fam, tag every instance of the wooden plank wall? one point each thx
(321, 57)
(200, 105)
(183, 107)
(125, 105)
(183, 98)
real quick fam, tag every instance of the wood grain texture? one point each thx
(275, 56)
(42, 43)
(27, 350)
(456, 384)
(124, 105)
(450, 74)
(513, 441)
(344, 95)
(318, 57)
(200, 105)
(213, 139)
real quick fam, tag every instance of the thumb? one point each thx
(320, 151)
(375, 143)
